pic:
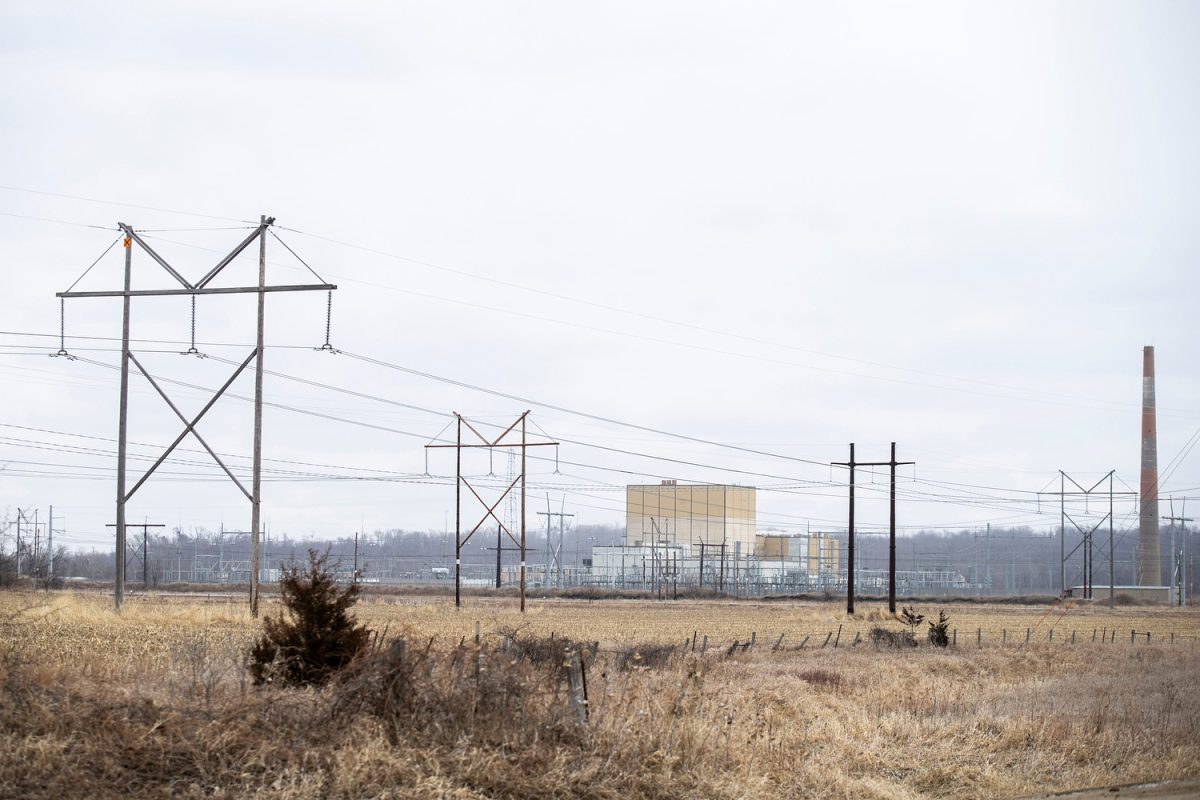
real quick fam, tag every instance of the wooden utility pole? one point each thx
(256, 502)
(356, 558)
(50, 549)
(123, 429)
(892, 463)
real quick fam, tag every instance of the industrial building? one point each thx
(716, 516)
(817, 553)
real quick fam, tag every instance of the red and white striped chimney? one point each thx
(1148, 570)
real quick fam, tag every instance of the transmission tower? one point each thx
(130, 237)
(500, 442)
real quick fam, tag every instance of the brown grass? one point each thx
(156, 702)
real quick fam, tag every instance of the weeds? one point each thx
(150, 704)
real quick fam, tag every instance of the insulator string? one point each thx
(62, 328)
(192, 351)
(327, 347)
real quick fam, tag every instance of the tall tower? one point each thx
(1148, 569)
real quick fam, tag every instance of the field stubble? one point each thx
(156, 702)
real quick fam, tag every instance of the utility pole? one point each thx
(1177, 570)
(37, 535)
(256, 480)
(121, 556)
(891, 463)
(355, 559)
(20, 520)
(50, 549)
(1062, 534)
(200, 287)
(721, 576)
(988, 554)
(558, 552)
(500, 549)
(850, 538)
(123, 425)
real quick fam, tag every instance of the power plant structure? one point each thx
(706, 536)
(692, 516)
(1148, 566)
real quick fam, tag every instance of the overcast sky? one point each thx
(785, 227)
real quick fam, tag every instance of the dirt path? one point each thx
(1164, 790)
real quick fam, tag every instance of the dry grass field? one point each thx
(157, 702)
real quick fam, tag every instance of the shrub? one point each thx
(542, 651)
(645, 656)
(473, 692)
(912, 619)
(315, 635)
(939, 632)
(883, 637)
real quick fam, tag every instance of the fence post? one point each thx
(804, 642)
(1052, 634)
(1132, 636)
(979, 637)
(778, 643)
(1028, 633)
(694, 635)
(1093, 635)
(1004, 636)
(476, 631)
(753, 637)
(704, 646)
(1072, 636)
(839, 637)
(954, 637)
(576, 694)
(827, 638)
(857, 639)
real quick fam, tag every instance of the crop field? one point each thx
(157, 702)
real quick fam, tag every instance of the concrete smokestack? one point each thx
(1148, 570)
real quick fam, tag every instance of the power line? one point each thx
(122, 205)
(690, 345)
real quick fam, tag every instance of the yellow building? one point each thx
(691, 515)
(817, 553)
